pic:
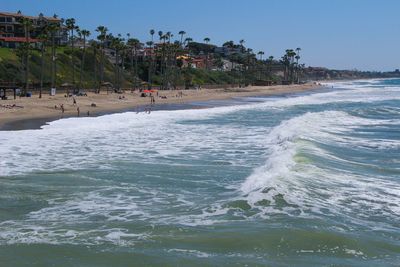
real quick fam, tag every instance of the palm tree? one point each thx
(241, 42)
(152, 32)
(43, 38)
(27, 23)
(95, 47)
(207, 40)
(149, 74)
(83, 34)
(260, 53)
(188, 40)
(291, 54)
(70, 23)
(270, 60)
(53, 28)
(119, 47)
(133, 44)
(181, 33)
(102, 37)
(297, 57)
(287, 61)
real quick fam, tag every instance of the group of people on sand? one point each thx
(74, 103)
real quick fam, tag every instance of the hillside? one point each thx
(11, 70)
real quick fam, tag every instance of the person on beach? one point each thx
(88, 113)
(62, 109)
(74, 101)
(77, 109)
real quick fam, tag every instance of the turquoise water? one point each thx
(305, 180)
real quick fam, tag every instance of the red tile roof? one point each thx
(19, 39)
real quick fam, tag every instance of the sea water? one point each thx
(298, 180)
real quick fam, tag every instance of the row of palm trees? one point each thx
(292, 68)
(160, 59)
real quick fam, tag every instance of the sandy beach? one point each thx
(48, 108)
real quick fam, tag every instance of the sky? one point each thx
(338, 34)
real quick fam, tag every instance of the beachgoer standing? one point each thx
(77, 109)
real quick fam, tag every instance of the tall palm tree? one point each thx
(43, 39)
(181, 33)
(149, 70)
(291, 54)
(297, 57)
(207, 40)
(70, 23)
(188, 40)
(152, 32)
(270, 60)
(118, 46)
(53, 28)
(241, 42)
(287, 61)
(83, 34)
(102, 37)
(95, 47)
(261, 53)
(133, 45)
(27, 24)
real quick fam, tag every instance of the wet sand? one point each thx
(31, 113)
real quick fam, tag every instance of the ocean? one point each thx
(309, 179)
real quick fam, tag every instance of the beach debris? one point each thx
(93, 105)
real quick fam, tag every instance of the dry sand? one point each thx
(34, 108)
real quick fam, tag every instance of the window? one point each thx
(2, 19)
(9, 19)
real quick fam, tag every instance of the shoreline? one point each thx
(37, 112)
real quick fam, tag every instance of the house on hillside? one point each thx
(196, 62)
(226, 51)
(228, 65)
(11, 26)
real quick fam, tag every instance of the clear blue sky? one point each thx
(344, 34)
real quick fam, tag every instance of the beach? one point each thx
(32, 112)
